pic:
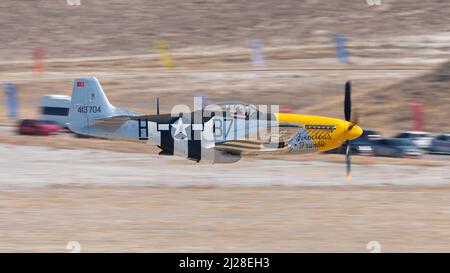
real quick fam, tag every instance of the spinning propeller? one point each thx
(353, 123)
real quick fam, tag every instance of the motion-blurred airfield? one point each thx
(118, 196)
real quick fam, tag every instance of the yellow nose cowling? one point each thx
(353, 133)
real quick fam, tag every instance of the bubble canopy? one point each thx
(241, 109)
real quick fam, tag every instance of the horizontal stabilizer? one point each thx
(110, 120)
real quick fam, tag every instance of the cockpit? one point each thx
(244, 110)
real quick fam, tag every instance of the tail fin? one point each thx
(88, 102)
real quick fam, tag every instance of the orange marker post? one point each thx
(38, 60)
(417, 116)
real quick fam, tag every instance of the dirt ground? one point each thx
(268, 219)
(127, 202)
(116, 27)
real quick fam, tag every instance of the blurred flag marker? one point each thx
(38, 60)
(11, 100)
(417, 116)
(164, 54)
(341, 48)
(257, 54)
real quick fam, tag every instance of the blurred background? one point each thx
(115, 196)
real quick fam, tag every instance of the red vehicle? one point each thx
(38, 127)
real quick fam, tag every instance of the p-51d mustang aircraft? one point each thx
(219, 133)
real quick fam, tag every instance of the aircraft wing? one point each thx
(277, 140)
(168, 118)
